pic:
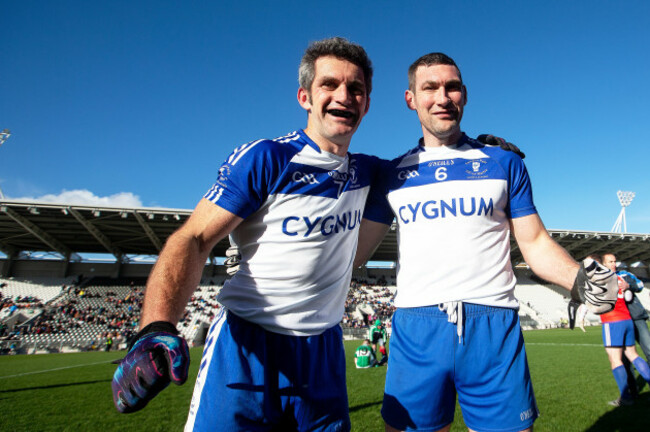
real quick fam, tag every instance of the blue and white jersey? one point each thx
(453, 206)
(302, 208)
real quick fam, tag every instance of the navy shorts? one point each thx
(618, 333)
(487, 369)
(251, 379)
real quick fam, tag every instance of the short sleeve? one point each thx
(520, 189)
(377, 207)
(246, 177)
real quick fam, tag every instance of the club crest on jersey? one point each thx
(224, 172)
(475, 168)
(353, 174)
(341, 178)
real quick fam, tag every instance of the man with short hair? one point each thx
(456, 326)
(619, 335)
(637, 310)
(298, 198)
(639, 317)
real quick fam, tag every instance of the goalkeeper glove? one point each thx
(596, 287)
(157, 355)
(497, 141)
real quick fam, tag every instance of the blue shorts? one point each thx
(255, 380)
(488, 370)
(618, 333)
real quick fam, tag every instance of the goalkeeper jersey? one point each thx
(453, 206)
(302, 208)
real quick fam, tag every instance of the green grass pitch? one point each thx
(71, 392)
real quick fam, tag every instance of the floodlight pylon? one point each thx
(4, 135)
(625, 198)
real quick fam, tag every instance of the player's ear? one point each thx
(304, 99)
(367, 106)
(464, 95)
(409, 98)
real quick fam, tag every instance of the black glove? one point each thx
(497, 141)
(156, 357)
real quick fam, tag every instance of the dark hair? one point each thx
(337, 47)
(430, 59)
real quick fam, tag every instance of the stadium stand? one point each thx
(543, 305)
(43, 315)
(42, 311)
(200, 310)
(72, 318)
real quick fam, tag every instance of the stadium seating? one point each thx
(57, 316)
(200, 310)
(45, 289)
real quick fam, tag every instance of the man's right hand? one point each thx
(157, 357)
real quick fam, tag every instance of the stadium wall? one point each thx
(61, 269)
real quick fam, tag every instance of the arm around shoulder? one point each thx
(370, 235)
(635, 283)
(178, 270)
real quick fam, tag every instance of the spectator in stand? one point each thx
(618, 338)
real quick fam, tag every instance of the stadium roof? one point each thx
(75, 229)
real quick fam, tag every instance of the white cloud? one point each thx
(85, 197)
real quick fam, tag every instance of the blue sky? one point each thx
(139, 102)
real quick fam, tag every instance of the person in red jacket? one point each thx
(618, 338)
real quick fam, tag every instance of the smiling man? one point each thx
(294, 199)
(456, 326)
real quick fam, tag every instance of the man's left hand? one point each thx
(498, 141)
(595, 286)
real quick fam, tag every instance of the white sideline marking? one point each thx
(55, 369)
(562, 344)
